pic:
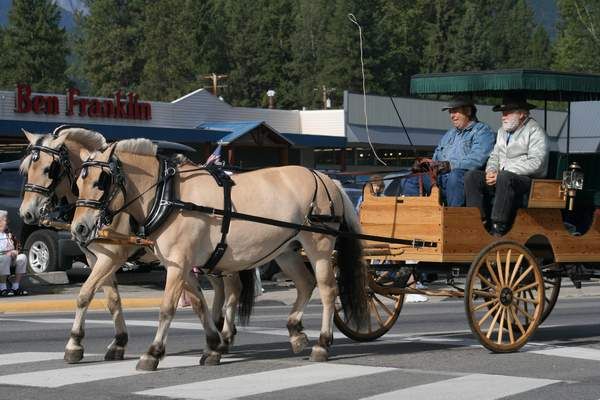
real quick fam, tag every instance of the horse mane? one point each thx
(88, 139)
(136, 146)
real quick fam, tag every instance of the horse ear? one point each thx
(59, 141)
(84, 154)
(32, 137)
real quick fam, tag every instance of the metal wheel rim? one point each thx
(39, 256)
(508, 310)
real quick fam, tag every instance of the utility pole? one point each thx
(325, 93)
(215, 81)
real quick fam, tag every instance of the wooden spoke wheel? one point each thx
(552, 281)
(384, 308)
(504, 296)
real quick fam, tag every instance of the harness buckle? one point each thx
(418, 243)
(165, 203)
(170, 171)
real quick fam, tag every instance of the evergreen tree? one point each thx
(110, 46)
(469, 43)
(578, 40)
(34, 47)
(540, 52)
(439, 27)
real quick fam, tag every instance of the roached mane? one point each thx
(136, 146)
(90, 140)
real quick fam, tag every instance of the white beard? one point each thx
(511, 124)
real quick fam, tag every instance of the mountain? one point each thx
(546, 13)
(67, 10)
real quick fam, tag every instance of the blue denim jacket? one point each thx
(468, 148)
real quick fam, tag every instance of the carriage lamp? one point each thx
(572, 181)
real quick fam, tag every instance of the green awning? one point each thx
(536, 85)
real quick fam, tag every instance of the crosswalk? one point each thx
(246, 376)
(278, 381)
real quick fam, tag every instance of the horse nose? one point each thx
(81, 230)
(28, 218)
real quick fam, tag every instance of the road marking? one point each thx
(469, 387)
(583, 353)
(88, 373)
(264, 382)
(33, 356)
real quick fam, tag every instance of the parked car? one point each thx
(48, 249)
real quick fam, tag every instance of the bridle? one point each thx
(59, 168)
(111, 181)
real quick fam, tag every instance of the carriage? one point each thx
(512, 283)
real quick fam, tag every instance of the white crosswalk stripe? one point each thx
(33, 356)
(582, 353)
(469, 387)
(88, 373)
(264, 382)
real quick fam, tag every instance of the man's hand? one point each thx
(443, 167)
(490, 177)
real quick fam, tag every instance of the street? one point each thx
(429, 354)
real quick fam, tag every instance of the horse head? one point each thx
(50, 164)
(109, 178)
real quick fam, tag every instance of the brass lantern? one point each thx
(572, 181)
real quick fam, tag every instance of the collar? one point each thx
(468, 128)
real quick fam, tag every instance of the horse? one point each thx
(118, 179)
(51, 167)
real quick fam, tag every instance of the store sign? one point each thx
(121, 106)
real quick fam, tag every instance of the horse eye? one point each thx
(35, 155)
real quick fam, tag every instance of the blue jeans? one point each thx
(451, 184)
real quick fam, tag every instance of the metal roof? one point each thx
(235, 130)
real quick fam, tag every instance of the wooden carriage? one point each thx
(512, 282)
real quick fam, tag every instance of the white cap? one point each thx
(3, 213)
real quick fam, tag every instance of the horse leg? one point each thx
(233, 288)
(116, 349)
(292, 264)
(218, 300)
(173, 289)
(319, 254)
(101, 271)
(214, 342)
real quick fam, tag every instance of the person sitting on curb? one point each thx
(10, 256)
(465, 147)
(521, 153)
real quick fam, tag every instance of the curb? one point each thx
(70, 305)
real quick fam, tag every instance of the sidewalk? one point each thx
(144, 290)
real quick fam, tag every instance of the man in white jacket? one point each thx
(520, 153)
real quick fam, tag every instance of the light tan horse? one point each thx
(121, 175)
(51, 167)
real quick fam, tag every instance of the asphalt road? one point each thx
(429, 354)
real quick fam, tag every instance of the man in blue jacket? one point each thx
(464, 147)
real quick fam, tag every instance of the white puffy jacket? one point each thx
(525, 154)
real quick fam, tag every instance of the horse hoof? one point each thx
(73, 356)
(147, 364)
(319, 354)
(210, 358)
(299, 342)
(114, 354)
(223, 348)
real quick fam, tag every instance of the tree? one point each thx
(110, 46)
(442, 16)
(540, 51)
(34, 47)
(578, 40)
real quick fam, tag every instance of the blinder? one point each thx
(59, 168)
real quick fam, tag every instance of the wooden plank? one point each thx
(546, 193)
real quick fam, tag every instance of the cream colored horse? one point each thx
(38, 172)
(187, 238)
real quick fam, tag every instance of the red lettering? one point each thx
(71, 100)
(120, 110)
(95, 109)
(38, 104)
(23, 99)
(51, 105)
(82, 106)
(108, 109)
(145, 111)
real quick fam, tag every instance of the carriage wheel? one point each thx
(504, 296)
(384, 308)
(552, 281)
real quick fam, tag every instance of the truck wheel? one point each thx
(41, 248)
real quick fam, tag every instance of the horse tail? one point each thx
(352, 269)
(246, 303)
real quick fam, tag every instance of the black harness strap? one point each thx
(224, 181)
(321, 218)
(160, 211)
(283, 224)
